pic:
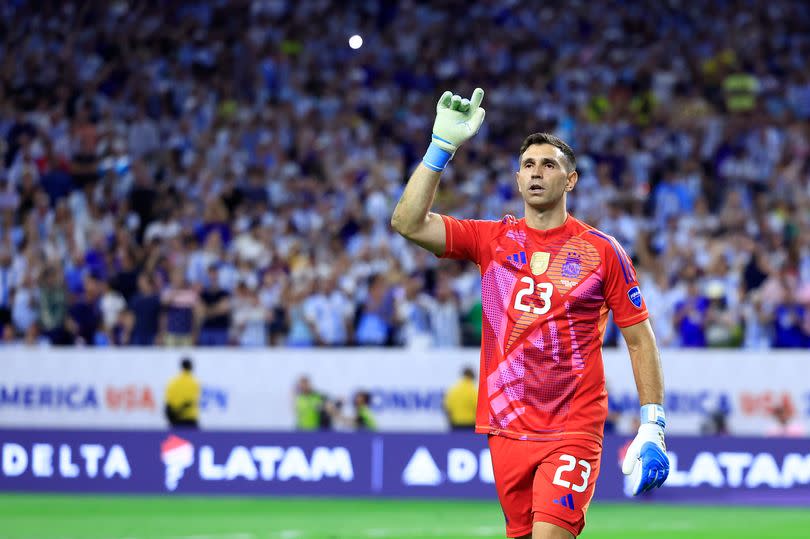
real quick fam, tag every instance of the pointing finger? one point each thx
(477, 97)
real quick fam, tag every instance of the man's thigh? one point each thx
(564, 484)
(514, 464)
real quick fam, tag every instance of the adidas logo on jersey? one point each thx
(566, 501)
(517, 259)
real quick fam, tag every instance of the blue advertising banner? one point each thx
(716, 470)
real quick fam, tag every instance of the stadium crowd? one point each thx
(224, 172)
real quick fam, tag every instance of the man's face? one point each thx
(544, 176)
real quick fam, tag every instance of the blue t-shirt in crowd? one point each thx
(691, 327)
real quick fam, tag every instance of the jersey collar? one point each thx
(551, 233)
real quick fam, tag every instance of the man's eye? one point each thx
(549, 165)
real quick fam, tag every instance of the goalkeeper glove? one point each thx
(457, 120)
(646, 458)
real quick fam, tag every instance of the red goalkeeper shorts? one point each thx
(544, 481)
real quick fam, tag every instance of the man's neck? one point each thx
(546, 219)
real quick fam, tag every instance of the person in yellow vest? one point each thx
(461, 400)
(183, 398)
(310, 411)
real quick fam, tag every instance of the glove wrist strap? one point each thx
(653, 413)
(436, 157)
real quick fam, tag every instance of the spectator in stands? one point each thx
(53, 307)
(144, 313)
(461, 401)
(181, 304)
(445, 320)
(111, 305)
(413, 313)
(375, 321)
(249, 317)
(690, 317)
(329, 313)
(7, 282)
(216, 311)
(183, 393)
(25, 312)
(84, 317)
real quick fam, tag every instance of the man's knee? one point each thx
(547, 530)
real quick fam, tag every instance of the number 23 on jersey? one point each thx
(543, 290)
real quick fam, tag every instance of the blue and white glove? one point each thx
(646, 458)
(457, 120)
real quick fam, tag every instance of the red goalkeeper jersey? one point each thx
(545, 297)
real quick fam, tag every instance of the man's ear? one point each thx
(571, 181)
(517, 175)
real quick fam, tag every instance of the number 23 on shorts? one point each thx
(570, 463)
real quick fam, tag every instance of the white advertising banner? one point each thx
(253, 389)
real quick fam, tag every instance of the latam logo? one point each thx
(177, 454)
(462, 466)
(46, 460)
(738, 470)
(265, 463)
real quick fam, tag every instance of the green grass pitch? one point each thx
(33, 516)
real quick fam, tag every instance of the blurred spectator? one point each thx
(309, 406)
(413, 313)
(461, 401)
(183, 392)
(329, 313)
(84, 316)
(53, 307)
(691, 317)
(376, 316)
(363, 417)
(445, 321)
(216, 307)
(249, 317)
(181, 303)
(7, 284)
(144, 313)
(111, 305)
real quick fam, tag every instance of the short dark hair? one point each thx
(557, 142)
(468, 373)
(185, 364)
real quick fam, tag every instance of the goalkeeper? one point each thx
(548, 281)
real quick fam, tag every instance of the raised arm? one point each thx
(456, 121)
(412, 217)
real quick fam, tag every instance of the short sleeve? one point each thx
(622, 293)
(462, 239)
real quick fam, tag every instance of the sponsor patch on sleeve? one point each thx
(634, 295)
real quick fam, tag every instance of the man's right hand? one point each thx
(456, 121)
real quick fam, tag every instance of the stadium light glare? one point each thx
(355, 41)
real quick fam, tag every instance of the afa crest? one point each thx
(572, 266)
